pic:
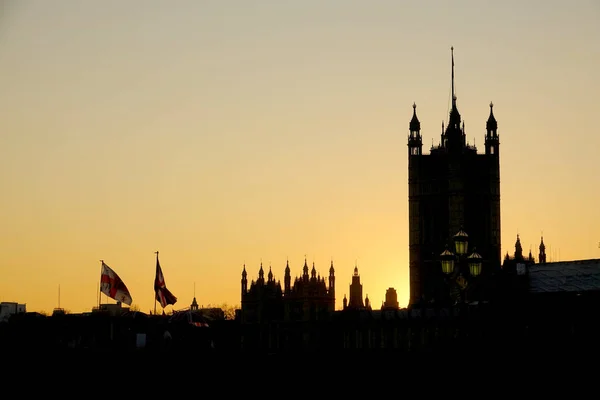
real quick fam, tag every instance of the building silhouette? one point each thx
(451, 189)
(542, 254)
(518, 263)
(310, 297)
(391, 300)
(356, 301)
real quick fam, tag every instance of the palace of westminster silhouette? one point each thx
(452, 191)
(463, 295)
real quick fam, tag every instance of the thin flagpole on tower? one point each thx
(156, 252)
(100, 285)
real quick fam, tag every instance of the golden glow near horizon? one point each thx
(224, 133)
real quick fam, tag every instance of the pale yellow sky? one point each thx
(223, 133)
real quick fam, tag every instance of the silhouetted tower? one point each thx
(542, 256)
(415, 142)
(244, 281)
(518, 249)
(391, 299)
(450, 188)
(492, 143)
(287, 280)
(356, 289)
(331, 289)
(305, 271)
(261, 275)
(194, 305)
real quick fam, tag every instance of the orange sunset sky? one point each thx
(228, 132)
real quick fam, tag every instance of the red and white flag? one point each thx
(112, 286)
(163, 295)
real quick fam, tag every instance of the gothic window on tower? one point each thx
(492, 150)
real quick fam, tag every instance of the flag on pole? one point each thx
(163, 295)
(112, 286)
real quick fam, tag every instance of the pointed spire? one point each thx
(518, 249)
(453, 95)
(415, 125)
(491, 124)
(542, 253)
(454, 122)
(261, 272)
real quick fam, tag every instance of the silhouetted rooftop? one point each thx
(565, 276)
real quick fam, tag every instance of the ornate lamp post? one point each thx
(458, 277)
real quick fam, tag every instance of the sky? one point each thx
(224, 133)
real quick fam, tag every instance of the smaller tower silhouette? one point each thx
(518, 249)
(415, 141)
(244, 281)
(356, 289)
(391, 299)
(194, 305)
(305, 271)
(287, 280)
(331, 289)
(542, 256)
(261, 275)
(491, 138)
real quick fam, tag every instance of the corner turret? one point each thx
(415, 141)
(244, 281)
(492, 143)
(287, 280)
(542, 255)
(331, 289)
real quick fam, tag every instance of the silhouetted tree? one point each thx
(228, 310)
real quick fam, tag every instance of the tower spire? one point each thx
(453, 95)
(454, 138)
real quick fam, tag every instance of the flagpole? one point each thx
(100, 285)
(155, 282)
